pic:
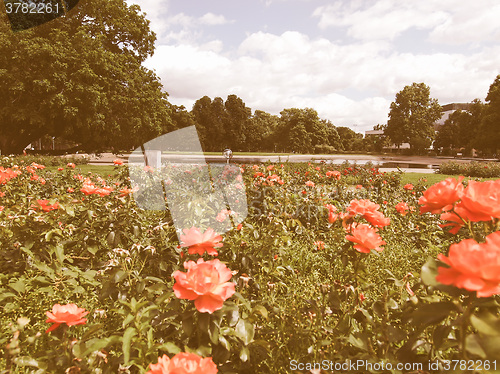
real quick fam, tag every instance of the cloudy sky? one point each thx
(346, 59)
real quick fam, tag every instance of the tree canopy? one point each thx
(412, 116)
(231, 124)
(80, 77)
(460, 130)
(488, 135)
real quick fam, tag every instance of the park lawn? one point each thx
(414, 178)
(102, 170)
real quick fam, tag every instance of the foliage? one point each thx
(294, 300)
(230, 124)
(488, 136)
(471, 169)
(80, 77)
(461, 128)
(412, 116)
(44, 160)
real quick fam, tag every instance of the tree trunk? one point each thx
(14, 145)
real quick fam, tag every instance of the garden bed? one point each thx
(332, 264)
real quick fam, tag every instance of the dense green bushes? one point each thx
(472, 169)
(43, 160)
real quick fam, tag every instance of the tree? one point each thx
(211, 122)
(332, 135)
(260, 132)
(412, 116)
(238, 118)
(351, 140)
(301, 130)
(488, 138)
(80, 77)
(447, 136)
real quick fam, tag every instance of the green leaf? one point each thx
(203, 321)
(92, 249)
(119, 276)
(473, 346)
(357, 342)
(69, 210)
(392, 304)
(170, 348)
(93, 329)
(127, 341)
(18, 286)
(245, 331)
(110, 239)
(233, 315)
(260, 309)
(244, 354)
(187, 325)
(4, 295)
(98, 344)
(427, 314)
(395, 334)
(225, 343)
(26, 361)
(60, 253)
(429, 272)
(127, 320)
(486, 323)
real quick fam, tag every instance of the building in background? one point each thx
(446, 110)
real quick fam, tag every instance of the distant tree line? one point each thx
(231, 124)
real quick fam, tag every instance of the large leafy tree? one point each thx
(80, 77)
(301, 130)
(210, 117)
(260, 132)
(488, 137)
(412, 116)
(350, 140)
(461, 128)
(237, 120)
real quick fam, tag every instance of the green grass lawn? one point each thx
(102, 170)
(432, 178)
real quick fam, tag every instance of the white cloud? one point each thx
(448, 21)
(470, 22)
(214, 19)
(346, 82)
(273, 72)
(179, 28)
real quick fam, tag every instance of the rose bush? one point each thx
(270, 296)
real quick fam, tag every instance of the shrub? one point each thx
(471, 169)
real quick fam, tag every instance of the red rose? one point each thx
(366, 238)
(199, 243)
(441, 196)
(473, 266)
(206, 283)
(183, 363)
(482, 200)
(69, 314)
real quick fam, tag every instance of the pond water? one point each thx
(278, 159)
